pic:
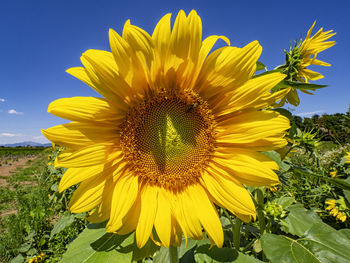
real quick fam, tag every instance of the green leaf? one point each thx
(95, 245)
(302, 86)
(318, 243)
(260, 66)
(299, 220)
(148, 250)
(65, 221)
(277, 158)
(285, 201)
(327, 243)
(345, 231)
(277, 248)
(205, 254)
(347, 192)
(163, 254)
(285, 113)
(18, 259)
(297, 85)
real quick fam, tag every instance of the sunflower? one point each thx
(179, 130)
(303, 55)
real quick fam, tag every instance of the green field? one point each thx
(8, 155)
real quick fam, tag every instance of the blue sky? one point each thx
(41, 39)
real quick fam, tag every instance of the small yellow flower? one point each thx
(273, 189)
(331, 204)
(343, 218)
(347, 157)
(334, 212)
(333, 174)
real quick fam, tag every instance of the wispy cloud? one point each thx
(15, 112)
(2, 100)
(7, 134)
(309, 114)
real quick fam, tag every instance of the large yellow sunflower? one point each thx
(178, 131)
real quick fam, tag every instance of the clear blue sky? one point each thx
(41, 39)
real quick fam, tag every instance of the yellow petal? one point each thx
(249, 167)
(189, 220)
(84, 109)
(312, 75)
(227, 68)
(139, 40)
(206, 213)
(88, 195)
(252, 94)
(88, 156)
(149, 201)
(255, 129)
(161, 33)
(124, 196)
(228, 193)
(76, 135)
(89, 77)
(76, 175)
(162, 222)
(103, 211)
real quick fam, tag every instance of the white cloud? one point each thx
(309, 114)
(2, 100)
(7, 134)
(14, 112)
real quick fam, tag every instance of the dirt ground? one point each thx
(7, 170)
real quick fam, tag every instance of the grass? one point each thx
(39, 206)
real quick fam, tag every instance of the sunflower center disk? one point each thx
(169, 139)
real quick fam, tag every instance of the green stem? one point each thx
(286, 153)
(237, 234)
(261, 217)
(173, 255)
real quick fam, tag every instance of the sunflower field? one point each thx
(190, 155)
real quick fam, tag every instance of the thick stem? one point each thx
(237, 234)
(173, 255)
(261, 217)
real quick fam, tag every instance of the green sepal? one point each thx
(260, 66)
(297, 85)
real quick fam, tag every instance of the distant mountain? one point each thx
(35, 144)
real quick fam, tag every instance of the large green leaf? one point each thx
(163, 254)
(95, 245)
(327, 243)
(299, 220)
(321, 243)
(284, 249)
(205, 254)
